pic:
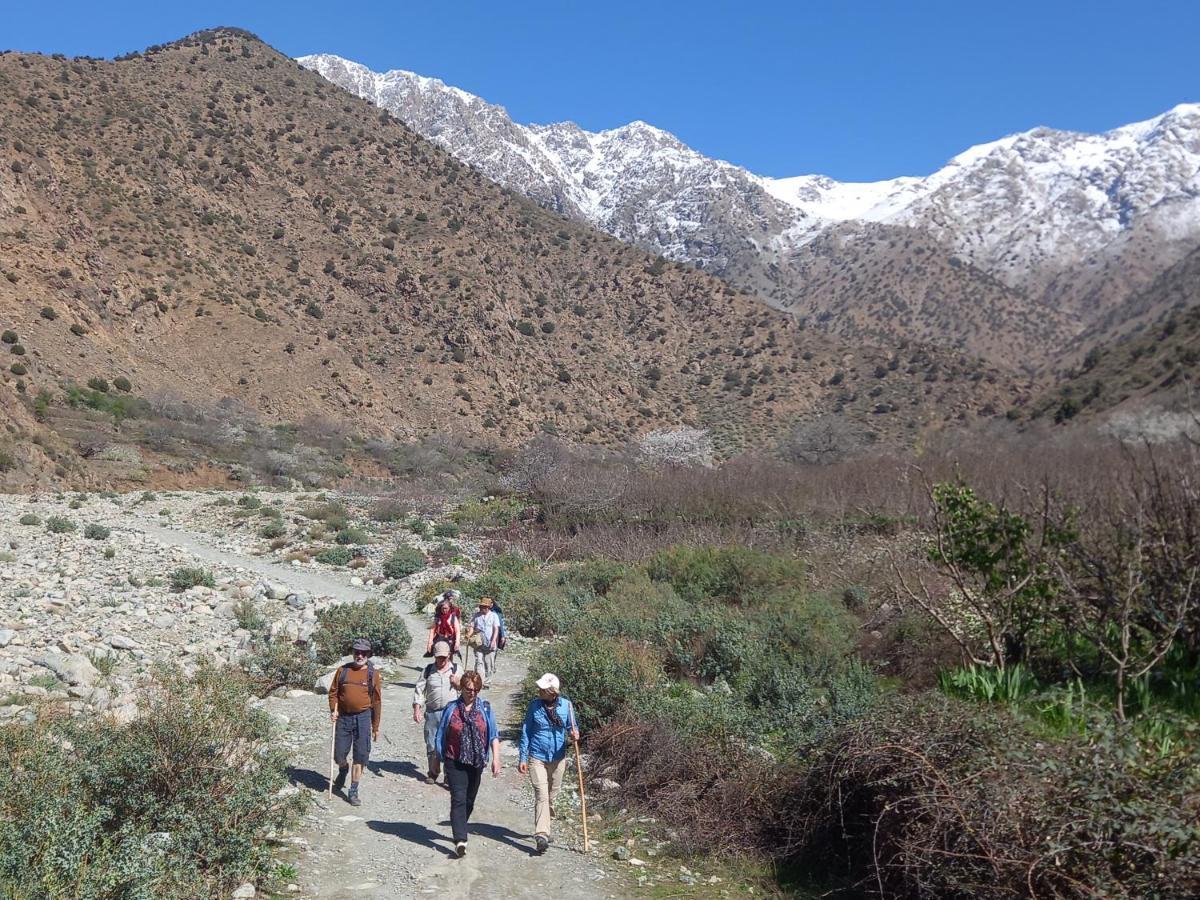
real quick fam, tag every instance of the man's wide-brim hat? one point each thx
(485, 601)
(361, 644)
(441, 648)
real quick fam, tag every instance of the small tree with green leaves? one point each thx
(1001, 582)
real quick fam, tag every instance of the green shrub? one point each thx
(403, 562)
(48, 313)
(185, 577)
(9, 336)
(98, 384)
(280, 663)
(97, 809)
(600, 677)
(445, 530)
(349, 536)
(249, 501)
(272, 530)
(389, 511)
(736, 574)
(29, 519)
(121, 383)
(333, 514)
(418, 527)
(248, 616)
(96, 532)
(18, 369)
(496, 513)
(341, 624)
(59, 525)
(335, 556)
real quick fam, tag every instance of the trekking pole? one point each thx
(582, 795)
(332, 740)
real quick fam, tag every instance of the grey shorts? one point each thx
(353, 731)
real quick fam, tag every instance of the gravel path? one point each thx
(397, 844)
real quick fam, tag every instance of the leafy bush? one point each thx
(446, 530)
(339, 625)
(272, 530)
(98, 384)
(249, 501)
(335, 556)
(348, 536)
(280, 663)
(738, 575)
(96, 532)
(389, 511)
(29, 519)
(403, 562)
(333, 514)
(494, 514)
(600, 677)
(90, 808)
(59, 525)
(248, 616)
(185, 577)
(121, 383)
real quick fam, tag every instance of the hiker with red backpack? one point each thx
(447, 621)
(436, 689)
(355, 707)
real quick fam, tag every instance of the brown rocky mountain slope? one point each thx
(209, 220)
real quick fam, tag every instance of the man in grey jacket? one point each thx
(436, 689)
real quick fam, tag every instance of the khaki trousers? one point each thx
(547, 779)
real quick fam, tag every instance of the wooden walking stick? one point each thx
(579, 772)
(332, 741)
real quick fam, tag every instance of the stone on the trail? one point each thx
(621, 854)
(73, 668)
(120, 642)
(275, 590)
(295, 693)
(6, 636)
(634, 861)
(607, 784)
(297, 601)
(243, 892)
(355, 581)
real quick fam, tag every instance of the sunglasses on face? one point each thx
(363, 654)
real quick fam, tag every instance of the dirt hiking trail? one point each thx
(397, 844)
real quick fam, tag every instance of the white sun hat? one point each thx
(548, 682)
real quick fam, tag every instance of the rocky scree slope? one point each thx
(210, 220)
(1042, 231)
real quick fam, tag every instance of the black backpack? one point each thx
(370, 680)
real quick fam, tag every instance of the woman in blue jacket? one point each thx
(548, 721)
(466, 740)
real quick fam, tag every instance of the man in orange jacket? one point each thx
(355, 707)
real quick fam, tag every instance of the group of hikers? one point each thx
(461, 736)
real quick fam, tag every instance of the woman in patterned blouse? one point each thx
(467, 738)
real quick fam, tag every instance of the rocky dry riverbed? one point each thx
(88, 610)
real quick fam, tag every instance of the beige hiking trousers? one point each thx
(547, 779)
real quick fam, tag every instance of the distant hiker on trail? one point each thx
(466, 739)
(355, 707)
(549, 722)
(447, 620)
(436, 689)
(484, 636)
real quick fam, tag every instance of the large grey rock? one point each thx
(73, 668)
(6, 636)
(120, 642)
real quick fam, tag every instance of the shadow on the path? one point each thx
(308, 778)
(413, 833)
(502, 835)
(404, 767)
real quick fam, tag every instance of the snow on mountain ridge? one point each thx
(1027, 209)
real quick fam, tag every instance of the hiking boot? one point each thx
(353, 796)
(340, 781)
(430, 778)
(461, 849)
(543, 843)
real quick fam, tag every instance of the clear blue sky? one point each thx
(855, 90)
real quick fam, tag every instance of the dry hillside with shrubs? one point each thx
(210, 222)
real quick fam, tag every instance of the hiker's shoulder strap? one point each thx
(371, 681)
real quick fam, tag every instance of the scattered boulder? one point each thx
(72, 668)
